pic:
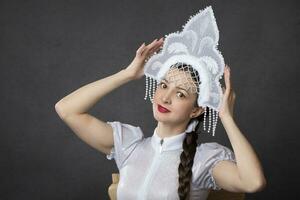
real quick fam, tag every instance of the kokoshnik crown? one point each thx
(196, 47)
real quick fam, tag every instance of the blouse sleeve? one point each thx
(206, 157)
(126, 137)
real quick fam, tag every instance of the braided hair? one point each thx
(189, 148)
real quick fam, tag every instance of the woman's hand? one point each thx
(136, 67)
(228, 96)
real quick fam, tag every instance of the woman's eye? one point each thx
(162, 84)
(182, 95)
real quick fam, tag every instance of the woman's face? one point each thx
(175, 93)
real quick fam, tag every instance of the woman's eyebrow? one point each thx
(176, 86)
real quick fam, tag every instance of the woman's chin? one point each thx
(161, 117)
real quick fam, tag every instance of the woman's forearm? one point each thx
(249, 167)
(82, 99)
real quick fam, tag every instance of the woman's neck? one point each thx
(167, 130)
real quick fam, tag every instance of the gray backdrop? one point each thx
(50, 48)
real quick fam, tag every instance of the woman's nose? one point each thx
(165, 100)
(166, 97)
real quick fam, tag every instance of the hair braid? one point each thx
(186, 162)
(189, 147)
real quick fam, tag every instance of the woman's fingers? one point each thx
(155, 48)
(158, 45)
(152, 47)
(148, 50)
(227, 79)
(139, 51)
(229, 91)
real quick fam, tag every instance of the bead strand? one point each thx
(209, 120)
(146, 92)
(215, 124)
(150, 87)
(153, 88)
(204, 118)
(213, 119)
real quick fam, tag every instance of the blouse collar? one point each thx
(172, 142)
(168, 143)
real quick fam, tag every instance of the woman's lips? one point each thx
(162, 109)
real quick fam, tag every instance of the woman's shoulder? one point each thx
(209, 146)
(206, 157)
(213, 150)
(126, 126)
(127, 133)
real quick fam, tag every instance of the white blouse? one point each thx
(148, 167)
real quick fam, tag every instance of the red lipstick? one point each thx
(162, 109)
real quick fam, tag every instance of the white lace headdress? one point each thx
(196, 47)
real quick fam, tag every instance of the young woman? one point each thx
(169, 164)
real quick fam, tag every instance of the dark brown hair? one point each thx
(189, 146)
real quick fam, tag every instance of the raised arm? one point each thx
(247, 174)
(72, 109)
